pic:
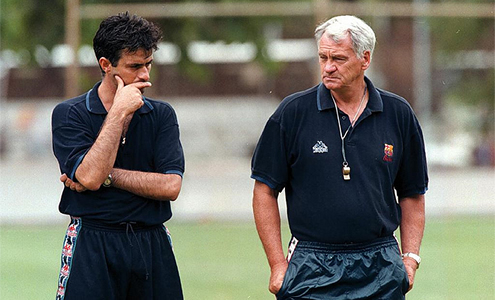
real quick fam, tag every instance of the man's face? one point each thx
(133, 67)
(340, 67)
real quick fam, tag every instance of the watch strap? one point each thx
(413, 256)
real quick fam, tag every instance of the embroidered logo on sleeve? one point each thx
(320, 147)
(389, 152)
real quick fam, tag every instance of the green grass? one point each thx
(224, 261)
(459, 260)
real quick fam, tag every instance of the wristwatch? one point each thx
(413, 256)
(108, 181)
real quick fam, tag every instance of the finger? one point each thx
(141, 85)
(63, 177)
(80, 188)
(68, 182)
(274, 289)
(276, 282)
(120, 82)
(276, 285)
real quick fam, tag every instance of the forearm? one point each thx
(99, 160)
(412, 223)
(412, 226)
(267, 219)
(157, 186)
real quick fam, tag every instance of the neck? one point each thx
(106, 92)
(355, 104)
(349, 95)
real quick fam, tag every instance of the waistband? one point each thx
(120, 227)
(351, 247)
(129, 228)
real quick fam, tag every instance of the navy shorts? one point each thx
(359, 271)
(121, 262)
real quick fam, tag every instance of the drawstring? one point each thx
(129, 226)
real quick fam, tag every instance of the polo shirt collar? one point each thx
(94, 104)
(324, 101)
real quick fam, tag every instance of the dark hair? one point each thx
(124, 32)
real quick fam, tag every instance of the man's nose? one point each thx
(329, 67)
(144, 74)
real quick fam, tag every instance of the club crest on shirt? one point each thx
(320, 147)
(389, 152)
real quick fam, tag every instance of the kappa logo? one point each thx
(67, 250)
(60, 292)
(320, 147)
(72, 231)
(65, 270)
(389, 152)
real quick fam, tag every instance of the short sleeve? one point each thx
(269, 163)
(169, 155)
(412, 178)
(72, 138)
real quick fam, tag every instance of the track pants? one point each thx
(372, 271)
(120, 262)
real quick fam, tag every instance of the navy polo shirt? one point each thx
(152, 145)
(300, 150)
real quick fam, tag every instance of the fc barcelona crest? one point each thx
(389, 152)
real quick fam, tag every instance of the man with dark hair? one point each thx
(352, 161)
(122, 163)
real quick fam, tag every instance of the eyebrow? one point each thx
(140, 64)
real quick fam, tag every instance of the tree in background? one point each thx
(27, 25)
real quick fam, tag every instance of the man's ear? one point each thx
(366, 60)
(105, 65)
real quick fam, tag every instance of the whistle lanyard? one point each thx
(346, 170)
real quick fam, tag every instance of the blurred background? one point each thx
(225, 66)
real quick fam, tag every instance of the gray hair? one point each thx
(338, 28)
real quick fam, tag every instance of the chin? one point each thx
(331, 85)
(329, 82)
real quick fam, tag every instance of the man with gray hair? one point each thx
(351, 158)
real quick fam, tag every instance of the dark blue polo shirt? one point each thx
(152, 145)
(300, 150)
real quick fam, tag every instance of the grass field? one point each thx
(224, 261)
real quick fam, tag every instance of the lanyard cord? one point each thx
(353, 121)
